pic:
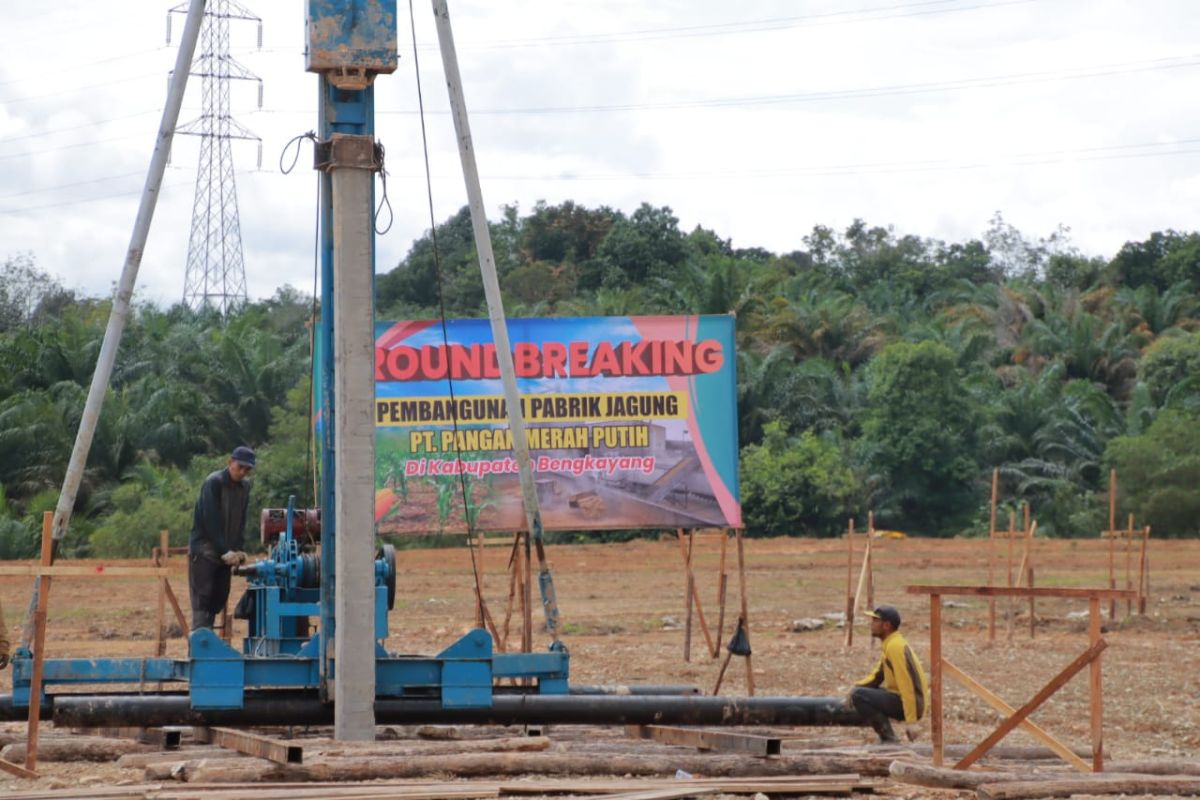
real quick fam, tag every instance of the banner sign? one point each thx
(631, 423)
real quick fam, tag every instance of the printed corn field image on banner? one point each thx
(631, 423)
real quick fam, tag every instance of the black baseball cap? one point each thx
(887, 614)
(243, 455)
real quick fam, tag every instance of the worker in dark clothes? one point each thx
(896, 689)
(218, 529)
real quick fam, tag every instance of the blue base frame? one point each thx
(218, 676)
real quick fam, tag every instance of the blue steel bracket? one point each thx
(350, 41)
(83, 671)
(218, 672)
(467, 671)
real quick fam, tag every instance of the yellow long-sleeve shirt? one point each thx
(899, 671)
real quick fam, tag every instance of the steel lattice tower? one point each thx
(216, 273)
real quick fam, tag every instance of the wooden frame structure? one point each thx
(691, 595)
(160, 557)
(519, 588)
(45, 570)
(866, 573)
(1024, 572)
(687, 541)
(1018, 717)
(1128, 534)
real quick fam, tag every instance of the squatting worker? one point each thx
(896, 688)
(218, 527)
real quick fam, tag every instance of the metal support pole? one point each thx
(124, 295)
(495, 304)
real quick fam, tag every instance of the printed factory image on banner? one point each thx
(631, 423)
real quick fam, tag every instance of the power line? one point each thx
(83, 201)
(1012, 79)
(75, 146)
(61, 70)
(69, 185)
(750, 26)
(92, 124)
(1037, 158)
(12, 101)
(1187, 146)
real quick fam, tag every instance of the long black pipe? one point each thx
(637, 688)
(283, 708)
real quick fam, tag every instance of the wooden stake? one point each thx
(850, 583)
(745, 613)
(863, 572)
(992, 555)
(1012, 527)
(688, 591)
(935, 685)
(160, 560)
(870, 560)
(175, 607)
(527, 595)
(39, 645)
(1129, 565)
(1094, 686)
(694, 599)
(1112, 528)
(1025, 570)
(722, 582)
(1144, 571)
(514, 581)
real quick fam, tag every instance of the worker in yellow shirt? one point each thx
(896, 689)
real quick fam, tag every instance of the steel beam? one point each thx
(251, 744)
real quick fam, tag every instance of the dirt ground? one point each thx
(622, 609)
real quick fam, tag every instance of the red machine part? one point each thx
(274, 522)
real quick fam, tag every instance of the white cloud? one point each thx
(1069, 113)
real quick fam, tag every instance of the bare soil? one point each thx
(622, 609)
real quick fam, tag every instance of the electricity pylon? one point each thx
(216, 274)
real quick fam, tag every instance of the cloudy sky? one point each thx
(757, 119)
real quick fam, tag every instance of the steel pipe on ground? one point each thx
(281, 708)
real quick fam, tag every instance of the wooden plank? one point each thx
(1064, 752)
(252, 744)
(82, 571)
(672, 793)
(707, 739)
(1016, 591)
(1057, 682)
(17, 770)
(767, 784)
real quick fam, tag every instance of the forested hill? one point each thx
(876, 371)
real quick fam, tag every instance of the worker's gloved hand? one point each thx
(912, 731)
(3, 660)
(234, 558)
